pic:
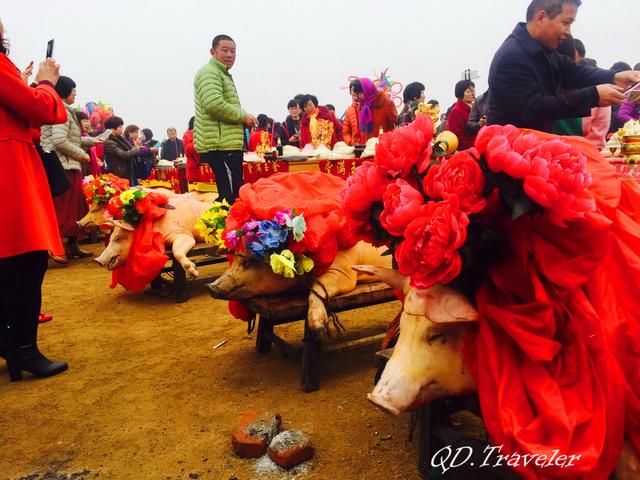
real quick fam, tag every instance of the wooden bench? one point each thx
(202, 254)
(279, 310)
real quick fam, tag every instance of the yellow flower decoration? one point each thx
(126, 196)
(283, 263)
(304, 265)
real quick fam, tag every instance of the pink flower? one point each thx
(282, 216)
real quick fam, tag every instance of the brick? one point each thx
(290, 448)
(254, 432)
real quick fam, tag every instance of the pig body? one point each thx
(95, 216)
(177, 226)
(248, 278)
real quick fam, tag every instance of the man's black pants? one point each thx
(227, 166)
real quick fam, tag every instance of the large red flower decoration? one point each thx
(429, 253)
(401, 204)
(461, 176)
(365, 187)
(399, 151)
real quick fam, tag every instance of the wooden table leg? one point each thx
(263, 344)
(310, 355)
(179, 282)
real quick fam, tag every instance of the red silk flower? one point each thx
(429, 253)
(401, 203)
(461, 176)
(398, 151)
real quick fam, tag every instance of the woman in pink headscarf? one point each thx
(370, 111)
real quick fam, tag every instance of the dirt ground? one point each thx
(147, 397)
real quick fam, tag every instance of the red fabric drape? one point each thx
(557, 354)
(147, 254)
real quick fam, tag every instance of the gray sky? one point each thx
(141, 55)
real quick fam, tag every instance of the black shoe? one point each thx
(29, 359)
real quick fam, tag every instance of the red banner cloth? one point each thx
(254, 171)
(557, 354)
(340, 168)
(146, 253)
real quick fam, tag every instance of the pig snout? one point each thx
(396, 390)
(109, 260)
(223, 288)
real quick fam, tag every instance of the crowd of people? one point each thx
(540, 78)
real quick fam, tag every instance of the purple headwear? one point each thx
(366, 118)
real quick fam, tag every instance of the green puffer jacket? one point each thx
(219, 116)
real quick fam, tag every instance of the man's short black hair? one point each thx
(292, 103)
(462, 86)
(434, 102)
(637, 67)
(218, 38)
(305, 99)
(112, 123)
(580, 48)
(355, 86)
(413, 91)
(330, 107)
(620, 67)
(552, 7)
(263, 120)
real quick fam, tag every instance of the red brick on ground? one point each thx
(254, 433)
(290, 448)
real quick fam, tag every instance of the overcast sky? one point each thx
(141, 55)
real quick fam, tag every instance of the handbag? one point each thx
(56, 174)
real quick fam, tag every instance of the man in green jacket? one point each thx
(220, 120)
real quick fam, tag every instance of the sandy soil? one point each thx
(147, 397)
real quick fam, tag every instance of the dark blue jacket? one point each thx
(531, 86)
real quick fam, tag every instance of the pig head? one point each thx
(427, 362)
(249, 278)
(116, 253)
(94, 217)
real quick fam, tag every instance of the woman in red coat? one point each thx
(319, 125)
(29, 227)
(459, 115)
(193, 159)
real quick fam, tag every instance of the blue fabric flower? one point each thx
(257, 249)
(271, 234)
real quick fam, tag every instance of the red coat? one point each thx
(193, 159)
(27, 215)
(255, 139)
(323, 114)
(457, 122)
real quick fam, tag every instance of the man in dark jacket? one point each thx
(173, 147)
(531, 85)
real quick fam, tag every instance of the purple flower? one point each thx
(251, 225)
(232, 239)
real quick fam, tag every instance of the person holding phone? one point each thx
(67, 141)
(290, 131)
(29, 230)
(531, 85)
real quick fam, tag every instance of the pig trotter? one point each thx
(181, 246)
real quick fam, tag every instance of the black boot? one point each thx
(29, 359)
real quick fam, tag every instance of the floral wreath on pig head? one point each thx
(99, 190)
(441, 216)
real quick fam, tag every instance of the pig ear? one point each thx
(393, 278)
(446, 305)
(124, 225)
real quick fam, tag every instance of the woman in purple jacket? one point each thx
(628, 111)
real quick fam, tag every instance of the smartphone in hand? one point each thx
(104, 135)
(633, 94)
(50, 48)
